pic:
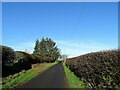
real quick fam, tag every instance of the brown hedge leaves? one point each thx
(99, 69)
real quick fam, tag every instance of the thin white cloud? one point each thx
(89, 44)
(72, 48)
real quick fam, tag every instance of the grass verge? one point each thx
(24, 76)
(73, 81)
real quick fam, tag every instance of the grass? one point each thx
(24, 76)
(0, 86)
(73, 81)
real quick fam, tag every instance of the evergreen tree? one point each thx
(42, 47)
(47, 49)
(37, 47)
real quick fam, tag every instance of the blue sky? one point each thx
(77, 28)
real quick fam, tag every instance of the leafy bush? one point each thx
(10, 66)
(8, 55)
(98, 70)
(48, 59)
(15, 61)
(25, 60)
(36, 59)
(19, 55)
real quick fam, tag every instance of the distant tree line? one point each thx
(15, 61)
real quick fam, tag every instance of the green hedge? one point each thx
(99, 69)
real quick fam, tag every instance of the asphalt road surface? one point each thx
(54, 77)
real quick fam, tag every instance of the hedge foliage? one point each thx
(8, 54)
(16, 61)
(99, 69)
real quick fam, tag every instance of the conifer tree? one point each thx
(37, 47)
(47, 49)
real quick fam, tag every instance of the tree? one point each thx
(42, 48)
(47, 49)
(56, 53)
(36, 49)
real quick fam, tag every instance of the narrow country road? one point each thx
(54, 77)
